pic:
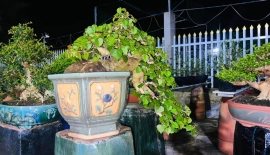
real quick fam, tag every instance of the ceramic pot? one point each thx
(200, 79)
(184, 80)
(250, 115)
(26, 117)
(226, 127)
(91, 103)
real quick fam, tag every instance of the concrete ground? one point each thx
(206, 142)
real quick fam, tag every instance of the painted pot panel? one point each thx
(69, 99)
(106, 98)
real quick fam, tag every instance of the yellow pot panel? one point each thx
(69, 99)
(105, 98)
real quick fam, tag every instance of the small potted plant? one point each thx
(223, 60)
(27, 108)
(24, 80)
(247, 71)
(127, 49)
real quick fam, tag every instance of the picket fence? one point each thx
(210, 50)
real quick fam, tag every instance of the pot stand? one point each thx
(143, 122)
(119, 144)
(35, 141)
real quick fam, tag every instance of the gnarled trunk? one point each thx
(264, 87)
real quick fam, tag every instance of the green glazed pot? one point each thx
(26, 117)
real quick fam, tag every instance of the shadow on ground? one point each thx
(205, 143)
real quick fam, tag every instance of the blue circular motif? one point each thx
(106, 98)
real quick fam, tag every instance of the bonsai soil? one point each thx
(251, 100)
(27, 103)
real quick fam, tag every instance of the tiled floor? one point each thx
(205, 143)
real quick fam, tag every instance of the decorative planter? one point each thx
(26, 117)
(250, 115)
(91, 103)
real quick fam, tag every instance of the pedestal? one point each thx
(251, 140)
(119, 144)
(143, 122)
(35, 141)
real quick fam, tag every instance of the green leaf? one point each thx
(134, 30)
(89, 30)
(85, 56)
(111, 41)
(160, 128)
(189, 127)
(160, 109)
(160, 81)
(125, 58)
(145, 58)
(168, 73)
(175, 125)
(125, 23)
(174, 111)
(116, 53)
(138, 69)
(189, 120)
(145, 101)
(125, 49)
(95, 59)
(98, 42)
(119, 10)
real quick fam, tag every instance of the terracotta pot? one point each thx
(168, 137)
(132, 99)
(226, 126)
(197, 103)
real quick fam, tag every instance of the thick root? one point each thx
(137, 79)
(264, 87)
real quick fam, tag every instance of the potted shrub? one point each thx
(246, 71)
(24, 79)
(223, 60)
(191, 75)
(26, 104)
(127, 49)
(251, 109)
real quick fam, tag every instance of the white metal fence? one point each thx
(56, 53)
(208, 51)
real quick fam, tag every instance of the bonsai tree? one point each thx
(247, 70)
(23, 61)
(121, 46)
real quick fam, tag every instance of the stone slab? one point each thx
(35, 141)
(121, 144)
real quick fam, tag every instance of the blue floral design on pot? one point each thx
(106, 98)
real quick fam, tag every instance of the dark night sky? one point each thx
(60, 18)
